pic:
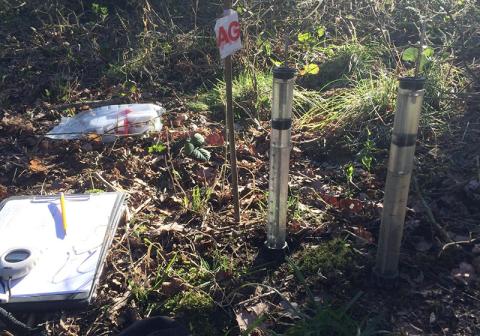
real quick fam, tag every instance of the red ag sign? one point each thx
(227, 30)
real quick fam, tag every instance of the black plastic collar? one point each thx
(284, 73)
(412, 83)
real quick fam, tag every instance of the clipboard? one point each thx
(69, 265)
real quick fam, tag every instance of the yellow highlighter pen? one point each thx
(64, 213)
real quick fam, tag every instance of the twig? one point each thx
(108, 184)
(438, 228)
(141, 206)
(256, 297)
(456, 243)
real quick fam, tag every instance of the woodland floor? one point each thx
(179, 252)
(431, 298)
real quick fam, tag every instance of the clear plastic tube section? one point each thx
(400, 166)
(280, 143)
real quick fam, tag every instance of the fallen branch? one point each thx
(457, 243)
(108, 184)
(438, 228)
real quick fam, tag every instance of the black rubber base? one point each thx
(273, 255)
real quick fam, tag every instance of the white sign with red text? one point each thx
(227, 31)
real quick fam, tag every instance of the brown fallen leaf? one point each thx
(249, 315)
(172, 287)
(94, 137)
(175, 227)
(205, 174)
(259, 309)
(180, 119)
(36, 166)
(344, 204)
(215, 139)
(363, 234)
(3, 192)
(244, 319)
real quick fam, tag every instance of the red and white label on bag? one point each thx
(227, 31)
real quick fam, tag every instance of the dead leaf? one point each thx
(363, 234)
(205, 174)
(259, 309)
(244, 319)
(3, 192)
(168, 135)
(249, 315)
(246, 150)
(172, 287)
(180, 120)
(343, 204)
(36, 166)
(173, 227)
(215, 139)
(16, 124)
(94, 137)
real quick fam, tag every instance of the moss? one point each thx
(191, 301)
(197, 106)
(325, 258)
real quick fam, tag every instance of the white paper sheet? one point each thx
(67, 262)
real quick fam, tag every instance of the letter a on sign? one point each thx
(227, 31)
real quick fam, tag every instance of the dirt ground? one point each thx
(438, 289)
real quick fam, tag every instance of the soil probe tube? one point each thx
(283, 82)
(400, 165)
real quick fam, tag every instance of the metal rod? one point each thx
(230, 128)
(400, 166)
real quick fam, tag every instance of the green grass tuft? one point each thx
(368, 99)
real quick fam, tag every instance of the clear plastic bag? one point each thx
(110, 121)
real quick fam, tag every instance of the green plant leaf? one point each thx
(310, 69)
(275, 62)
(157, 148)
(427, 52)
(410, 54)
(197, 140)
(304, 37)
(201, 154)
(320, 31)
(188, 148)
